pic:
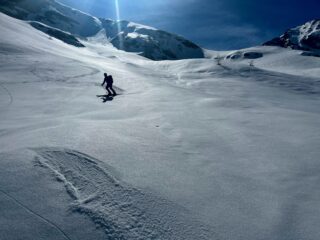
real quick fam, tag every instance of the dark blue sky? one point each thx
(214, 24)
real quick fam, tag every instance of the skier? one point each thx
(109, 81)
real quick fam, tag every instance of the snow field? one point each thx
(201, 151)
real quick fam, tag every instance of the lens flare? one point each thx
(119, 24)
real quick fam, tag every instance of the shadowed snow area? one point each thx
(189, 149)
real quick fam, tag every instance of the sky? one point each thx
(212, 24)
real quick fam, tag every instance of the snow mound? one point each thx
(305, 37)
(121, 210)
(244, 55)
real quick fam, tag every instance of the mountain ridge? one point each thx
(146, 41)
(303, 37)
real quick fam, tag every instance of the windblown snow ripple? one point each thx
(122, 211)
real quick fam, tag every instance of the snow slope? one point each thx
(190, 150)
(147, 41)
(57, 33)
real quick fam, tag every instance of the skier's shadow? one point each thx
(105, 98)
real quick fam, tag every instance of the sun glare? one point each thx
(119, 24)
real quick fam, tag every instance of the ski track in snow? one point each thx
(285, 81)
(9, 95)
(122, 211)
(47, 221)
(297, 84)
(193, 78)
(36, 73)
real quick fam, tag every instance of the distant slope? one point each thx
(305, 37)
(57, 33)
(148, 42)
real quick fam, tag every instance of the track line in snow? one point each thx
(35, 71)
(297, 84)
(284, 81)
(36, 214)
(9, 94)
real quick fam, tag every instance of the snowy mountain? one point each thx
(305, 37)
(153, 43)
(147, 41)
(53, 14)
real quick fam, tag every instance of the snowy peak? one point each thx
(128, 36)
(304, 37)
(150, 42)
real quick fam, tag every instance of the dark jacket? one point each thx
(108, 80)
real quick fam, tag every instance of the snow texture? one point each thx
(122, 211)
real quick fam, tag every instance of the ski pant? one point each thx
(110, 90)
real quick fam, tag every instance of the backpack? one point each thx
(110, 80)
